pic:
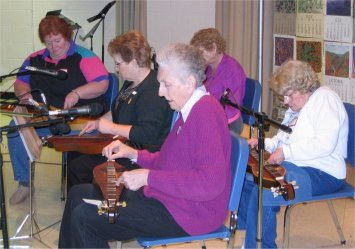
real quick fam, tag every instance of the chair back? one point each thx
(251, 99)
(239, 160)
(112, 89)
(350, 109)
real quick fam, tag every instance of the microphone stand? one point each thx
(3, 219)
(261, 118)
(8, 128)
(101, 15)
(5, 234)
(2, 77)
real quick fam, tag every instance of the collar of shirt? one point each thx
(220, 66)
(70, 51)
(196, 95)
(289, 116)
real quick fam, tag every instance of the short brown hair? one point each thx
(54, 25)
(294, 75)
(131, 45)
(206, 37)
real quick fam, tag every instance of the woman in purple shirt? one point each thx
(181, 190)
(223, 72)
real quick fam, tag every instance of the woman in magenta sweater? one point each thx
(181, 190)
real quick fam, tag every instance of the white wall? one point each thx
(168, 21)
(177, 20)
(19, 21)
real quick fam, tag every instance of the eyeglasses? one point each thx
(288, 98)
(117, 64)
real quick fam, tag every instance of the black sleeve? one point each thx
(153, 115)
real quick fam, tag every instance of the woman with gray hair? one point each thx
(181, 190)
(313, 154)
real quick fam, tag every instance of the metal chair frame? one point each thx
(347, 191)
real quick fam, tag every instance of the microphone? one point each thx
(225, 97)
(93, 109)
(59, 74)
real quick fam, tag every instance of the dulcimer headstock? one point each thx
(105, 176)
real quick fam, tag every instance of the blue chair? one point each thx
(350, 109)
(251, 101)
(110, 95)
(239, 159)
(112, 90)
(347, 191)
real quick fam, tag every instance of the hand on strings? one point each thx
(117, 149)
(90, 127)
(253, 143)
(106, 126)
(25, 99)
(70, 100)
(277, 157)
(134, 179)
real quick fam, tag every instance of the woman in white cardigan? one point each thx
(313, 154)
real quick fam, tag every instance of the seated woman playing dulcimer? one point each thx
(138, 113)
(81, 86)
(181, 190)
(315, 150)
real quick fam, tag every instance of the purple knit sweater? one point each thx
(191, 173)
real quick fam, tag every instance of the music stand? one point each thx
(72, 24)
(101, 15)
(33, 156)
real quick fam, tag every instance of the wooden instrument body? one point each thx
(273, 176)
(105, 176)
(86, 144)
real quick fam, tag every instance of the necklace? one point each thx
(124, 94)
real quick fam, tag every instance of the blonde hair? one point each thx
(294, 75)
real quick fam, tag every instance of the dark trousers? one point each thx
(82, 227)
(80, 169)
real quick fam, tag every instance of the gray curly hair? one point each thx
(183, 60)
(294, 75)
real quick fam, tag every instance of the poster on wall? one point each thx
(337, 67)
(310, 18)
(351, 86)
(285, 17)
(311, 50)
(338, 21)
(284, 49)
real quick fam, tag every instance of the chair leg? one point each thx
(63, 176)
(203, 244)
(232, 228)
(286, 234)
(336, 222)
(119, 244)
